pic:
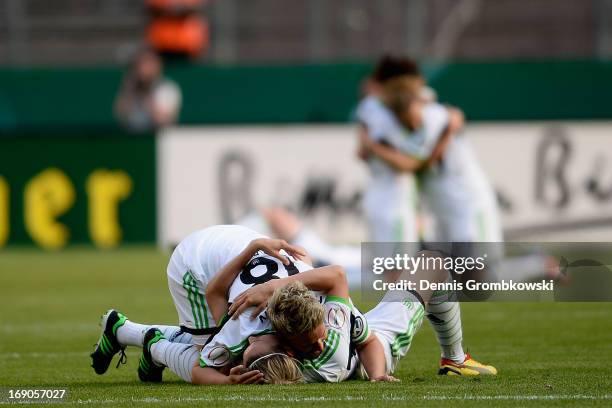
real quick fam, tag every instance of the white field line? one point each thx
(19, 328)
(55, 355)
(238, 398)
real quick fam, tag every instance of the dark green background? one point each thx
(42, 98)
(78, 155)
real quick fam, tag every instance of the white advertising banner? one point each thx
(552, 179)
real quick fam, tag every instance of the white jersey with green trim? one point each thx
(229, 343)
(207, 251)
(391, 197)
(260, 269)
(346, 328)
(456, 189)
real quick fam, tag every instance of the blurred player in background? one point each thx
(391, 200)
(391, 197)
(147, 100)
(453, 186)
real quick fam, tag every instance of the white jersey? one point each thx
(455, 189)
(207, 251)
(422, 141)
(391, 197)
(346, 329)
(194, 262)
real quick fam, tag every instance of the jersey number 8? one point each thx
(272, 267)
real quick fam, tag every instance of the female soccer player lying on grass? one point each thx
(395, 324)
(191, 270)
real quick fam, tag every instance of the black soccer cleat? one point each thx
(107, 345)
(148, 371)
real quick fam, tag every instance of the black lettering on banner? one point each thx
(235, 180)
(552, 156)
(595, 183)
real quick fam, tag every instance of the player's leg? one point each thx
(399, 315)
(444, 314)
(118, 332)
(395, 323)
(195, 320)
(158, 353)
(517, 268)
(454, 225)
(189, 296)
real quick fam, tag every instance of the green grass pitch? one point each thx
(548, 354)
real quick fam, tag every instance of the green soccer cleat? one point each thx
(148, 371)
(108, 346)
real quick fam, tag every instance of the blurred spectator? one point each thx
(147, 100)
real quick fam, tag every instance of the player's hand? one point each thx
(240, 375)
(365, 143)
(385, 378)
(257, 296)
(284, 223)
(273, 247)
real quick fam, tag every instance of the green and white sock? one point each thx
(132, 334)
(444, 314)
(179, 358)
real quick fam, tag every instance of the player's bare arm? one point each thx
(397, 160)
(218, 287)
(330, 280)
(237, 375)
(362, 151)
(372, 357)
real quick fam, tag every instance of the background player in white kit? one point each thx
(391, 196)
(385, 141)
(453, 186)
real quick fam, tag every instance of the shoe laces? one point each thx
(122, 358)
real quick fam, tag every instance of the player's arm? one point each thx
(456, 121)
(372, 357)
(330, 280)
(218, 287)
(237, 375)
(362, 151)
(393, 157)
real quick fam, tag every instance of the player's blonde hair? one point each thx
(293, 310)
(279, 368)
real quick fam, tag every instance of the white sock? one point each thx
(444, 315)
(174, 334)
(132, 334)
(179, 358)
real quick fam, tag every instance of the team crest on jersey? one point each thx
(358, 327)
(336, 317)
(219, 356)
